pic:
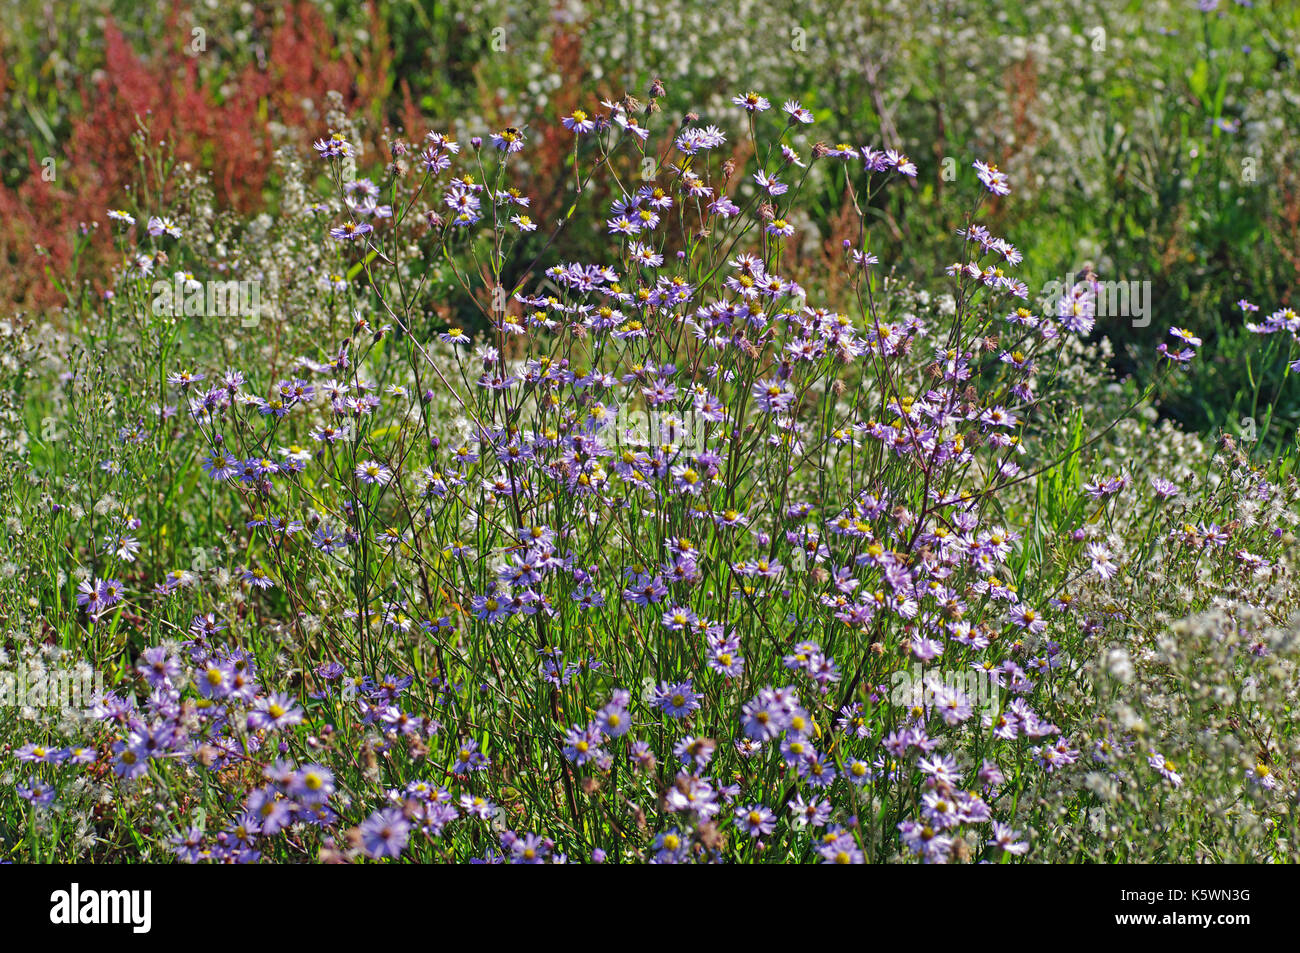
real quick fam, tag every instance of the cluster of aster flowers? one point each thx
(450, 553)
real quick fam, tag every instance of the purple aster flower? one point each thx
(676, 699)
(274, 712)
(385, 833)
(755, 820)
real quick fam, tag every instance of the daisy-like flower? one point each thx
(385, 833)
(677, 700)
(900, 163)
(32, 752)
(873, 159)
(163, 226)
(214, 679)
(1023, 617)
(530, 849)
(998, 417)
(37, 792)
(841, 849)
(442, 143)
(509, 140)
(185, 379)
(770, 183)
(772, 396)
(1077, 310)
(1166, 768)
(755, 820)
(1185, 355)
(583, 744)
(695, 752)
(335, 147)
(468, 758)
(372, 471)
(723, 207)
(220, 465)
(257, 577)
(274, 712)
(622, 225)
(1005, 839)
(350, 231)
(752, 102)
(994, 180)
(99, 596)
(614, 719)
(1165, 489)
(810, 813)
(678, 619)
(630, 125)
(311, 783)
(644, 255)
(130, 757)
(1262, 776)
(477, 807)
(491, 607)
(796, 112)
(1102, 562)
(863, 260)
(791, 157)
(578, 122)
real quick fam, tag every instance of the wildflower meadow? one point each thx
(630, 434)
